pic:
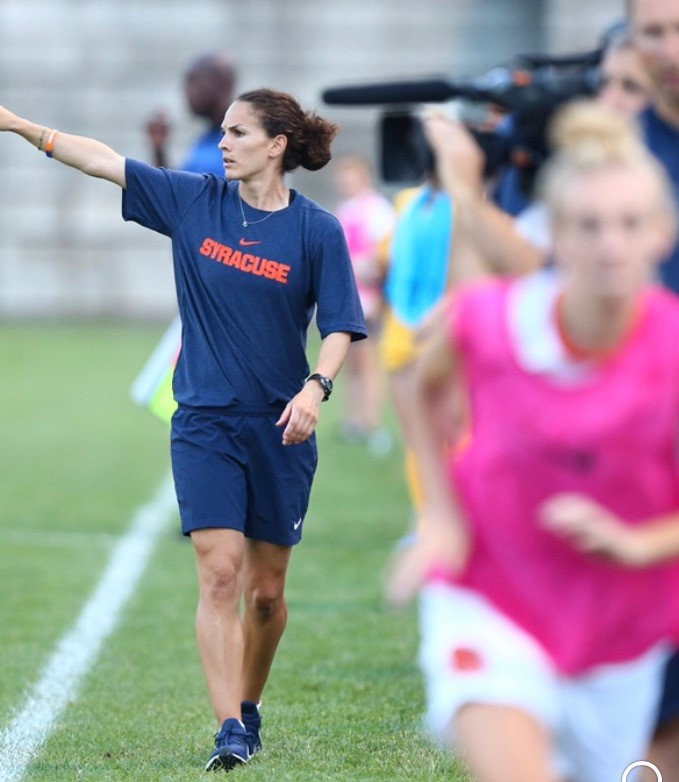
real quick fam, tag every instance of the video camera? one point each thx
(529, 90)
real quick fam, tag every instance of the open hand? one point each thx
(460, 160)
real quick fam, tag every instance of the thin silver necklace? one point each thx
(246, 223)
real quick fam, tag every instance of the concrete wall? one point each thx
(100, 67)
(572, 24)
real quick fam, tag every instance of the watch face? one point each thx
(325, 383)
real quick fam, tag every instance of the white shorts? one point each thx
(600, 721)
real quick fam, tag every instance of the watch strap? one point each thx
(325, 383)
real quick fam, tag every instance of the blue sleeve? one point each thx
(159, 198)
(338, 307)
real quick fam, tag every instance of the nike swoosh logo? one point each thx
(246, 243)
(296, 524)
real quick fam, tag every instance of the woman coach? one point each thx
(253, 261)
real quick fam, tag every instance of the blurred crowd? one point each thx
(528, 339)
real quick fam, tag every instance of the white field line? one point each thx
(76, 653)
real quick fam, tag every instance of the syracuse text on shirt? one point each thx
(245, 262)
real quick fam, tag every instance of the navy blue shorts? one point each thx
(233, 471)
(669, 704)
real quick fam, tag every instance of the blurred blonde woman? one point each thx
(549, 592)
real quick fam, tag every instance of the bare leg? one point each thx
(219, 554)
(664, 753)
(368, 390)
(503, 744)
(266, 612)
(352, 403)
(402, 388)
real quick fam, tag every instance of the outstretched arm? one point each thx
(87, 155)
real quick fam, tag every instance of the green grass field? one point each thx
(344, 701)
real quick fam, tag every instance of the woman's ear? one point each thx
(278, 145)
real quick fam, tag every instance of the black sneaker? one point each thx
(232, 747)
(252, 720)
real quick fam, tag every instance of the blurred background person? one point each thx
(625, 84)
(367, 218)
(209, 84)
(621, 82)
(418, 276)
(545, 511)
(447, 233)
(655, 31)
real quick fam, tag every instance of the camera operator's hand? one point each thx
(485, 238)
(459, 159)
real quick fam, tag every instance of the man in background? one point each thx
(209, 89)
(655, 31)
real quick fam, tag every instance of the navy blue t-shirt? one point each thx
(246, 295)
(663, 141)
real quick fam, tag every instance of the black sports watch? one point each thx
(325, 383)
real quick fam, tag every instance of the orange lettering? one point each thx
(206, 247)
(224, 253)
(258, 266)
(282, 275)
(271, 267)
(248, 263)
